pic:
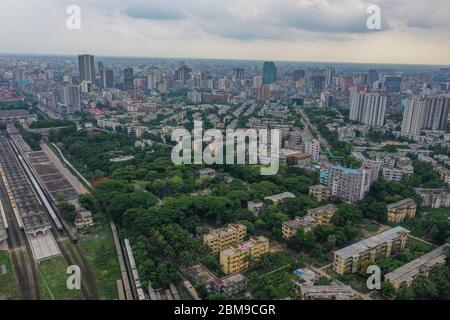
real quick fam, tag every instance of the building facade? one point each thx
(220, 239)
(238, 257)
(401, 210)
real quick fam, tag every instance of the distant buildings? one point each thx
(107, 78)
(128, 79)
(86, 67)
(401, 210)
(69, 98)
(434, 198)
(237, 257)
(407, 273)
(329, 292)
(358, 256)
(269, 73)
(220, 239)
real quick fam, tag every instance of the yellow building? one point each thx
(360, 255)
(319, 192)
(220, 239)
(237, 257)
(314, 217)
(399, 211)
(324, 214)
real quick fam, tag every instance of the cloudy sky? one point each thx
(416, 32)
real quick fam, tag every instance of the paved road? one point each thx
(76, 184)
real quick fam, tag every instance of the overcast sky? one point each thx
(413, 31)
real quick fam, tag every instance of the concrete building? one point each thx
(414, 116)
(397, 174)
(237, 257)
(207, 172)
(276, 199)
(301, 159)
(231, 285)
(319, 192)
(420, 266)
(324, 214)
(401, 210)
(312, 147)
(220, 239)
(368, 108)
(84, 219)
(358, 256)
(434, 198)
(86, 67)
(346, 183)
(314, 217)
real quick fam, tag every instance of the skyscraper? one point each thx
(183, 74)
(437, 111)
(69, 98)
(414, 116)
(128, 79)
(269, 73)
(86, 67)
(106, 78)
(426, 112)
(238, 73)
(368, 108)
(392, 84)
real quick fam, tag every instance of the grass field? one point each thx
(9, 287)
(53, 280)
(98, 246)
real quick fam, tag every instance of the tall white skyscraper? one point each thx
(374, 109)
(414, 116)
(368, 108)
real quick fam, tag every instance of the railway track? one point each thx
(21, 256)
(72, 252)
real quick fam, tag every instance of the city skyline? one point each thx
(310, 31)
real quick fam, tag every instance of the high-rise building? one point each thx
(238, 73)
(374, 109)
(312, 147)
(107, 78)
(183, 74)
(329, 76)
(153, 78)
(414, 116)
(352, 184)
(368, 108)
(69, 98)
(437, 111)
(372, 76)
(87, 67)
(257, 82)
(392, 84)
(128, 79)
(269, 73)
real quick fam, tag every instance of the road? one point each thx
(312, 127)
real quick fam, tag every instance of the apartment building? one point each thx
(319, 192)
(434, 198)
(401, 210)
(276, 199)
(222, 238)
(422, 265)
(324, 214)
(358, 256)
(237, 257)
(314, 217)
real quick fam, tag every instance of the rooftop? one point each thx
(402, 203)
(322, 210)
(371, 242)
(410, 270)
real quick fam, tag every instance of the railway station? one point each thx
(28, 209)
